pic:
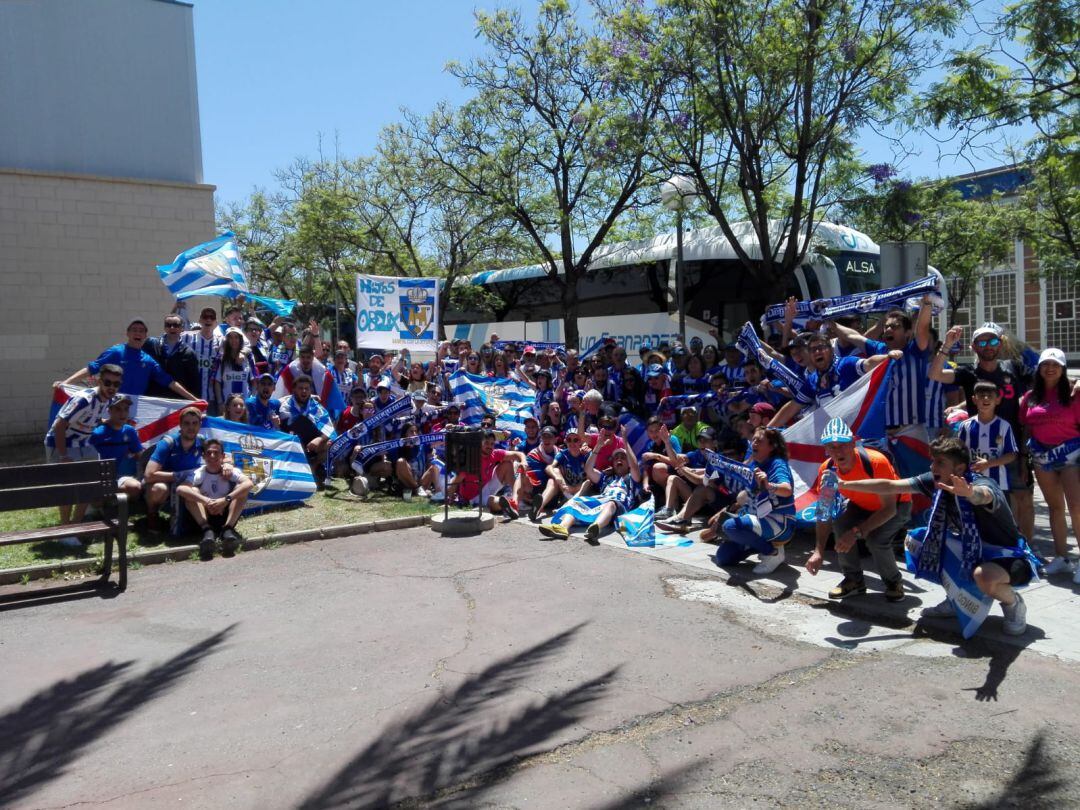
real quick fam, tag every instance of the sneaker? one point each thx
(206, 545)
(534, 507)
(406, 495)
(229, 540)
(894, 591)
(675, 524)
(360, 486)
(1076, 576)
(1059, 565)
(592, 533)
(73, 543)
(554, 531)
(1015, 617)
(847, 587)
(422, 493)
(770, 562)
(942, 610)
(438, 497)
(664, 513)
(509, 507)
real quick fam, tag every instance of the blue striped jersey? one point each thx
(235, 379)
(733, 374)
(206, 352)
(907, 398)
(989, 440)
(83, 412)
(345, 381)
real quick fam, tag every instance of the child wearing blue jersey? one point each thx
(989, 437)
(118, 440)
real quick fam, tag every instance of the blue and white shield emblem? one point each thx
(417, 318)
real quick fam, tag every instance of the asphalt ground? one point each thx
(408, 669)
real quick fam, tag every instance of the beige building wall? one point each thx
(77, 258)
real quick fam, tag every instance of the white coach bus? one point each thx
(629, 290)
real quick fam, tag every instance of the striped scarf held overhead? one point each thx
(750, 345)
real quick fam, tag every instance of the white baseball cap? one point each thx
(1053, 356)
(988, 328)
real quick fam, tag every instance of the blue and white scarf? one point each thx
(518, 345)
(370, 451)
(343, 444)
(824, 309)
(937, 528)
(750, 345)
(735, 476)
(1066, 454)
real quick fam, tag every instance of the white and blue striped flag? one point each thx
(638, 526)
(636, 435)
(275, 462)
(509, 401)
(212, 268)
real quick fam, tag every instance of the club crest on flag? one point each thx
(259, 470)
(495, 399)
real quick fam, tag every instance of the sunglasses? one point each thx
(110, 383)
(982, 344)
(573, 441)
(173, 325)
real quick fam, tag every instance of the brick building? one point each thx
(1042, 311)
(100, 180)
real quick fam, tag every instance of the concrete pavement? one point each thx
(501, 671)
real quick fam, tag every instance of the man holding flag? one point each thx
(969, 515)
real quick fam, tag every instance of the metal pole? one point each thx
(680, 293)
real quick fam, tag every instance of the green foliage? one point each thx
(965, 238)
(552, 139)
(1027, 71)
(762, 100)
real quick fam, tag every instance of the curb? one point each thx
(12, 576)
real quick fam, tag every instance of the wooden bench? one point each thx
(44, 485)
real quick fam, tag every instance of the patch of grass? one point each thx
(334, 507)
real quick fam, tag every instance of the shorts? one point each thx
(470, 493)
(86, 452)
(1018, 569)
(120, 481)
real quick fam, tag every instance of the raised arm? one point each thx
(877, 486)
(922, 324)
(870, 363)
(937, 371)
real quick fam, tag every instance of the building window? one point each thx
(999, 300)
(1062, 306)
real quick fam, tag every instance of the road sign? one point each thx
(902, 262)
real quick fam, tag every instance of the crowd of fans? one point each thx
(998, 425)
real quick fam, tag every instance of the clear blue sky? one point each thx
(275, 74)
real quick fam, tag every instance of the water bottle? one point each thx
(826, 505)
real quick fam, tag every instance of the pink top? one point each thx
(1051, 423)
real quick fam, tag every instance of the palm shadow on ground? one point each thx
(465, 742)
(42, 738)
(1036, 784)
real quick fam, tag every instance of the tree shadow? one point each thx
(460, 743)
(40, 739)
(667, 786)
(1035, 783)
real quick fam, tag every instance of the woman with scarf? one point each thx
(1051, 413)
(968, 509)
(768, 521)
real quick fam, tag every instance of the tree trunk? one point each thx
(570, 310)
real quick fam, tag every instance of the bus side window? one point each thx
(813, 286)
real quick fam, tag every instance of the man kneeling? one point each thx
(215, 500)
(969, 511)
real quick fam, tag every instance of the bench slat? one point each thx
(55, 532)
(72, 472)
(37, 497)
